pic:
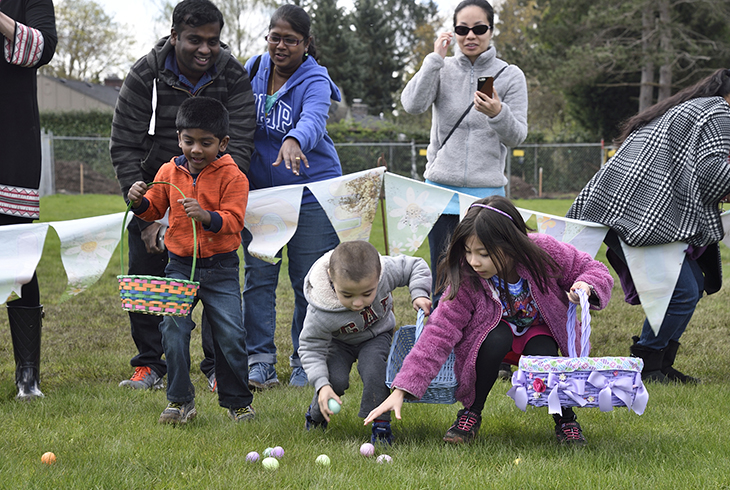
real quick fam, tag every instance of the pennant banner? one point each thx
(412, 209)
(271, 217)
(583, 235)
(22, 247)
(655, 270)
(86, 246)
(351, 202)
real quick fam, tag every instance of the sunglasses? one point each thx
(289, 41)
(478, 30)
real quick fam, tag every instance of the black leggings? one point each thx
(491, 354)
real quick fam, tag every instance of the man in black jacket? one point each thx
(190, 62)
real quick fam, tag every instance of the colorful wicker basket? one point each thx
(573, 381)
(443, 387)
(157, 295)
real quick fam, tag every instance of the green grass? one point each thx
(107, 437)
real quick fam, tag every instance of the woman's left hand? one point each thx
(573, 295)
(490, 106)
(291, 154)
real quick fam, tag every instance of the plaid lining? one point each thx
(665, 182)
(27, 48)
(19, 201)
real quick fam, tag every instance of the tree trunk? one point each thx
(665, 46)
(646, 90)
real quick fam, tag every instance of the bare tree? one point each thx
(90, 43)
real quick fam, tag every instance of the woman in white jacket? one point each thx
(471, 159)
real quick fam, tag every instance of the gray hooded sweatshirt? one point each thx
(475, 155)
(327, 318)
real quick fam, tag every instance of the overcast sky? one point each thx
(140, 15)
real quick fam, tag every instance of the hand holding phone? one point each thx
(485, 85)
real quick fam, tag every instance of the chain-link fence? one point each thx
(83, 165)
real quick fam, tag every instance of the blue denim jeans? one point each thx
(314, 237)
(686, 295)
(219, 293)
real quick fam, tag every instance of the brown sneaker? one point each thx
(465, 428)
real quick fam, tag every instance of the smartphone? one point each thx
(485, 85)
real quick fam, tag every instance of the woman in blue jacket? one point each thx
(292, 93)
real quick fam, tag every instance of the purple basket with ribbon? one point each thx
(575, 381)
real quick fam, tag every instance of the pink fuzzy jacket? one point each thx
(463, 323)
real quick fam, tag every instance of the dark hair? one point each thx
(482, 4)
(716, 84)
(299, 21)
(203, 113)
(355, 260)
(503, 238)
(195, 13)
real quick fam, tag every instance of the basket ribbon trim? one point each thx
(623, 389)
(518, 392)
(570, 387)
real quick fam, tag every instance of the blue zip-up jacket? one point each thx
(300, 112)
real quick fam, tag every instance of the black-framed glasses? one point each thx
(478, 30)
(289, 41)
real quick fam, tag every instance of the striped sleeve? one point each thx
(27, 47)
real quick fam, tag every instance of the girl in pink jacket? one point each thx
(504, 290)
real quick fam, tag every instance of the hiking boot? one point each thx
(178, 413)
(212, 382)
(144, 378)
(569, 432)
(465, 429)
(310, 423)
(382, 433)
(298, 378)
(241, 414)
(261, 376)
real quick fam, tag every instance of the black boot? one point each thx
(670, 353)
(653, 359)
(25, 330)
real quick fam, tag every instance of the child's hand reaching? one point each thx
(193, 210)
(136, 192)
(323, 397)
(573, 295)
(422, 303)
(393, 402)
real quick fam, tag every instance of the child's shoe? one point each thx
(261, 376)
(310, 423)
(241, 414)
(178, 413)
(568, 431)
(382, 433)
(465, 429)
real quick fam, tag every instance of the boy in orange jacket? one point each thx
(216, 193)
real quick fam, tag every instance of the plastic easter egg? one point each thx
(367, 449)
(334, 406)
(252, 457)
(277, 452)
(384, 458)
(270, 463)
(322, 460)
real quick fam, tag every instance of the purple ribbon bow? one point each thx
(572, 388)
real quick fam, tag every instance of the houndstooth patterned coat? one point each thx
(664, 183)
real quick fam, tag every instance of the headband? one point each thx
(493, 209)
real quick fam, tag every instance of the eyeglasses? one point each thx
(478, 30)
(289, 41)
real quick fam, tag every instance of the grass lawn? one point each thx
(108, 437)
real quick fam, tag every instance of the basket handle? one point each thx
(419, 322)
(585, 319)
(124, 223)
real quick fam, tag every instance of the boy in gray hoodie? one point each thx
(350, 318)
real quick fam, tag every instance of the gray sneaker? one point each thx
(241, 414)
(178, 413)
(144, 378)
